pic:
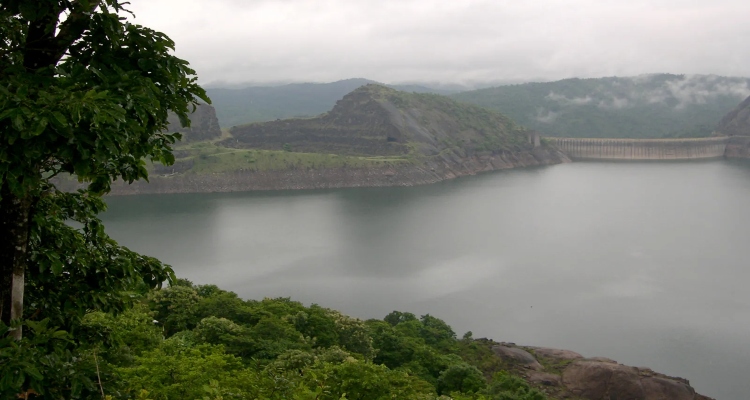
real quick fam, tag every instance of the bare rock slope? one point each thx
(564, 374)
(737, 121)
(737, 125)
(203, 124)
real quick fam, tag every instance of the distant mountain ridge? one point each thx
(267, 103)
(647, 106)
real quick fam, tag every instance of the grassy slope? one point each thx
(208, 157)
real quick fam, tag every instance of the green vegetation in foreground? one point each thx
(209, 157)
(201, 342)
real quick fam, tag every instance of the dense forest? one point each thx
(192, 342)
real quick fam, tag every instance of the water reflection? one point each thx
(643, 263)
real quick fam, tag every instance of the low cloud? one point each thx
(697, 89)
(564, 100)
(615, 103)
(546, 116)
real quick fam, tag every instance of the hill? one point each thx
(737, 121)
(268, 103)
(737, 125)
(647, 106)
(374, 120)
(373, 136)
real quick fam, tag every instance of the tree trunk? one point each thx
(14, 239)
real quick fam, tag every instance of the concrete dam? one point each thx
(640, 149)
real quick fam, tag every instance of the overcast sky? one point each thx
(451, 41)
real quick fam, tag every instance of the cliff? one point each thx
(737, 122)
(374, 136)
(203, 124)
(564, 374)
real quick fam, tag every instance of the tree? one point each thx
(85, 92)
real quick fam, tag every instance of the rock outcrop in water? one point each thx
(567, 374)
(203, 124)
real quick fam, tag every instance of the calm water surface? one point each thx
(645, 263)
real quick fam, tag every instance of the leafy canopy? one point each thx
(91, 100)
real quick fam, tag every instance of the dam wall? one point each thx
(640, 149)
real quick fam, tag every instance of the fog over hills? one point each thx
(656, 105)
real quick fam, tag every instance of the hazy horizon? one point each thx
(234, 41)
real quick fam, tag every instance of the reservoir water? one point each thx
(644, 263)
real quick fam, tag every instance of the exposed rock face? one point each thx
(737, 122)
(738, 147)
(517, 356)
(203, 124)
(566, 374)
(601, 380)
(378, 121)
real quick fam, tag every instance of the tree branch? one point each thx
(73, 27)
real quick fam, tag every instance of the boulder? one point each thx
(556, 354)
(516, 356)
(604, 380)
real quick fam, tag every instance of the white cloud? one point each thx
(546, 116)
(451, 41)
(614, 103)
(564, 100)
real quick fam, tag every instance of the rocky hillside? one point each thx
(737, 125)
(203, 125)
(374, 136)
(378, 121)
(647, 106)
(737, 121)
(564, 374)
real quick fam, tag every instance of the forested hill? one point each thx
(268, 103)
(646, 106)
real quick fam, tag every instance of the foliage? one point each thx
(276, 349)
(83, 93)
(462, 378)
(86, 93)
(45, 362)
